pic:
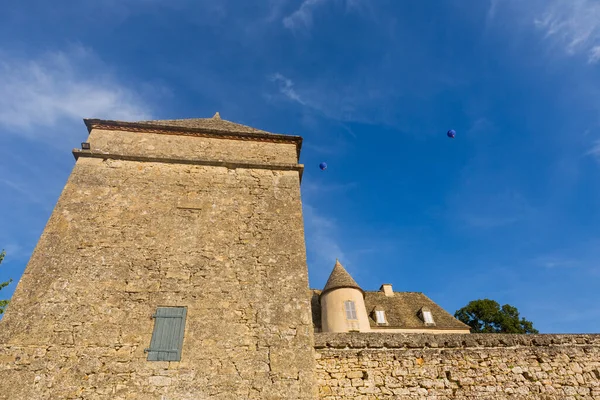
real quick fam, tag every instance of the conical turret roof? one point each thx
(340, 278)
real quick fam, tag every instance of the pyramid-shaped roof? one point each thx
(340, 278)
(214, 127)
(215, 123)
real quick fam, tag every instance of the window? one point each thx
(427, 317)
(167, 337)
(380, 317)
(350, 309)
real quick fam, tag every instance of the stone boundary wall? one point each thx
(450, 366)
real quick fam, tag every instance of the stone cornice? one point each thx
(197, 132)
(77, 153)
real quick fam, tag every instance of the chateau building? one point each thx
(173, 267)
(342, 306)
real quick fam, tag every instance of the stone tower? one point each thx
(343, 303)
(172, 267)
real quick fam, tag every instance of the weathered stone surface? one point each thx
(400, 340)
(484, 367)
(129, 236)
(158, 145)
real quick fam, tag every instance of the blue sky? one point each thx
(508, 210)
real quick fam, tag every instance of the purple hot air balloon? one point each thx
(451, 133)
(323, 166)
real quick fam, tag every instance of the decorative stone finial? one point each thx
(216, 116)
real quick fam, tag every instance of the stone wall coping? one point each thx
(356, 340)
(77, 153)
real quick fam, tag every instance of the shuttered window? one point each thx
(380, 317)
(350, 309)
(167, 337)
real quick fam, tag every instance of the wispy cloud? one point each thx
(573, 24)
(302, 18)
(62, 86)
(582, 256)
(595, 150)
(286, 87)
(342, 104)
(594, 54)
(555, 262)
(323, 245)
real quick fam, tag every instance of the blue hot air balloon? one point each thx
(451, 133)
(323, 166)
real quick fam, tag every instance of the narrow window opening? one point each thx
(350, 309)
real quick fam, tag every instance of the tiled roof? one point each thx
(340, 278)
(214, 123)
(401, 311)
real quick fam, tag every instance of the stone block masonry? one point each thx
(478, 366)
(128, 236)
(212, 221)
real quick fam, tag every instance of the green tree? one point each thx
(486, 316)
(3, 303)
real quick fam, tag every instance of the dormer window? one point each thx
(380, 317)
(350, 309)
(426, 316)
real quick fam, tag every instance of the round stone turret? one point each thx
(343, 303)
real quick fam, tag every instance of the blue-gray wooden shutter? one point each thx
(167, 337)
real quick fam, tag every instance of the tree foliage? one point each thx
(486, 316)
(3, 303)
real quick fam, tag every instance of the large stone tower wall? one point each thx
(148, 220)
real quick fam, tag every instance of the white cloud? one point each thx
(595, 150)
(286, 87)
(302, 18)
(594, 55)
(62, 86)
(338, 103)
(573, 24)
